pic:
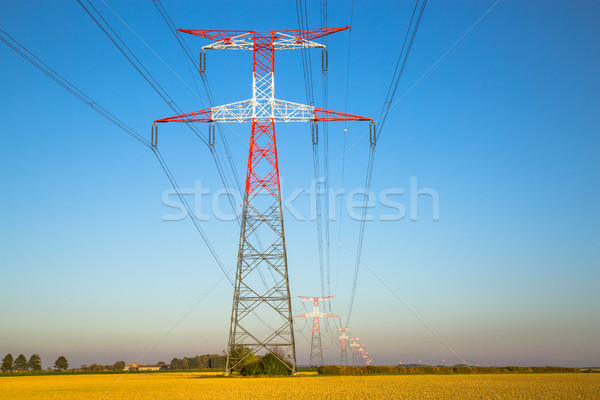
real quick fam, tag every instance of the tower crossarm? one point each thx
(317, 315)
(306, 298)
(240, 111)
(244, 40)
(277, 110)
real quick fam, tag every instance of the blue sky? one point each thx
(505, 129)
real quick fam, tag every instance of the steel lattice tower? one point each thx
(354, 345)
(261, 313)
(343, 338)
(361, 351)
(316, 347)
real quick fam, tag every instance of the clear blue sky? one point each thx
(505, 128)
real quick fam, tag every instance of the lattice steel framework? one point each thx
(354, 345)
(316, 347)
(343, 339)
(361, 351)
(261, 317)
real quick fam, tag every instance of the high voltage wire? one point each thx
(326, 146)
(337, 266)
(325, 84)
(55, 76)
(149, 78)
(190, 59)
(142, 70)
(398, 73)
(135, 62)
(400, 64)
(323, 241)
(302, 16)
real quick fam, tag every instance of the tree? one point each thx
(119, 365)
(35, 362)
(61, 363)
(21, 363)
(240, 356)
(195, 362)
(95, 367)
(270, 364)
(216, 361)
(177, 363)
(275, 364)
(7, 363)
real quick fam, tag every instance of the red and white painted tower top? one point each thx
(343, 337)
(316, 314)
(263, 106)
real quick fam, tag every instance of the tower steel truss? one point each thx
(316, 347)
(354, 345)
(344, 344)
(261, 317)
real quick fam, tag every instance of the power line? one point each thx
(149, 78)
(30, 57)
(391, 93)
(58, 78)
(302, 16)
(62, 81)
(190, 60)
(400, 64)
(325, 80)
(337, 264)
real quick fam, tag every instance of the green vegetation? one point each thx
(7, 363)
(240, 357)
(61, 363)
(248, 364)
(21, 363)
(118, 366)
(202, 362)
(269, 364)
(35, 362)
(427, 370)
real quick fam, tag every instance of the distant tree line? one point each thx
(21, 364)
(205, 361)
(118, 366)
(427, 370)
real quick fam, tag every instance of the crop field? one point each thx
(179, 386)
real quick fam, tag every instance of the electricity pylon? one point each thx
(316, 348)
(261, 318)
(343, 338)
(361, 351)
(354, 345)
(368, 360)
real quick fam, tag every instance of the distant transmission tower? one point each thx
(343, 338)
(354, 345)
(261, 318)
(367, 359)
(361, 351)
(316, 348)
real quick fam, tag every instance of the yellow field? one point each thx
(179, 386)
